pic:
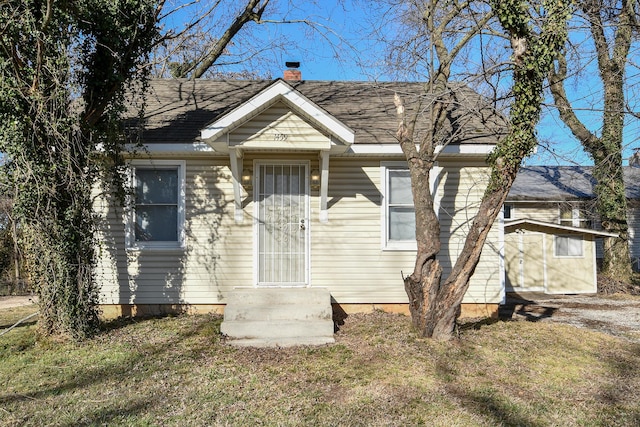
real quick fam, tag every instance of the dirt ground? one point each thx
(15, 301)
(617, 315)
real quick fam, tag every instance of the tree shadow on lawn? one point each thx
(615, 390)
(80, 375)
(494, 407)
(519, 306)
(21, 325)
(105, 415)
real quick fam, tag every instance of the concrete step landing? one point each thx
(278, 317)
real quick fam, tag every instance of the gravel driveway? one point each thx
(614, 315)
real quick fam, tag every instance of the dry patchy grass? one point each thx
(176, 371)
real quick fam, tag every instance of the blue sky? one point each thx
(340, 41)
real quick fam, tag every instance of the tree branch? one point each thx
(252, 12)
(557, 76)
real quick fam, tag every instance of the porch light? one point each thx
(247, 179)
(315, 179)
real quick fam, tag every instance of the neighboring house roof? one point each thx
(176, 110)
(564, 183)
(514, 225)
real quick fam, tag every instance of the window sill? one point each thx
(154, 248)
(400, 247)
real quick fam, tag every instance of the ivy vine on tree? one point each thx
(537, 31)
(64, 69)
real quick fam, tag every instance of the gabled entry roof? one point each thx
(278, 91)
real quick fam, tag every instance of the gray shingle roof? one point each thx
(176, 109)
(560, 183)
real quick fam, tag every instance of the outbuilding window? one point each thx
(568, 246)
(157, 217)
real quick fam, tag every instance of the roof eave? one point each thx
(560, 227)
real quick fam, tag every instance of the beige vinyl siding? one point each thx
(346, 253)
(461, 189)
(216, 255)
(218, 251)
(279, 128)
(571, 275)
(547, 212)
(110, 251)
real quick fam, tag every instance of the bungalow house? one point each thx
(553, 240)
(287, 187)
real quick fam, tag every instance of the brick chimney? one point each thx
(292, 73)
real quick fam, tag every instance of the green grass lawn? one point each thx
(177, 371)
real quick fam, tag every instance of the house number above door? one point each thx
(280, 136)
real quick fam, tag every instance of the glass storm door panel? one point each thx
(282, 225)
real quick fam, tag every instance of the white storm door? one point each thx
(282, 224)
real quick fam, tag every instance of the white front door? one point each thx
(282, 224)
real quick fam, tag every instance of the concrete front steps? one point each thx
(278, 317)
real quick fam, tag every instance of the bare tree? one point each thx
(535, 40)
(223, 35)
(612, 25)
(197, 45)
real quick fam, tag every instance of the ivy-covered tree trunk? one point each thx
(612, 51)
(64, 67)
(59, 244)
(435, 303)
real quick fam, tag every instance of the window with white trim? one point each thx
(568, 246)
(398, 213)
(157, 216)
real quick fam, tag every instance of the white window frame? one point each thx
(385, 167)
(568, 236)
(130, 238)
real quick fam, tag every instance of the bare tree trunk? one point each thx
(434, 304)
(606, 150)
(423, 295)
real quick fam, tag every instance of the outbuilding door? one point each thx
(532, 262)
(282, 224)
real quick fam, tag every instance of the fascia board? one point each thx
(164, 148)
(514, 223)
(454, 150)
(355, 149)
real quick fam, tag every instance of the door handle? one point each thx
(302, 226)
